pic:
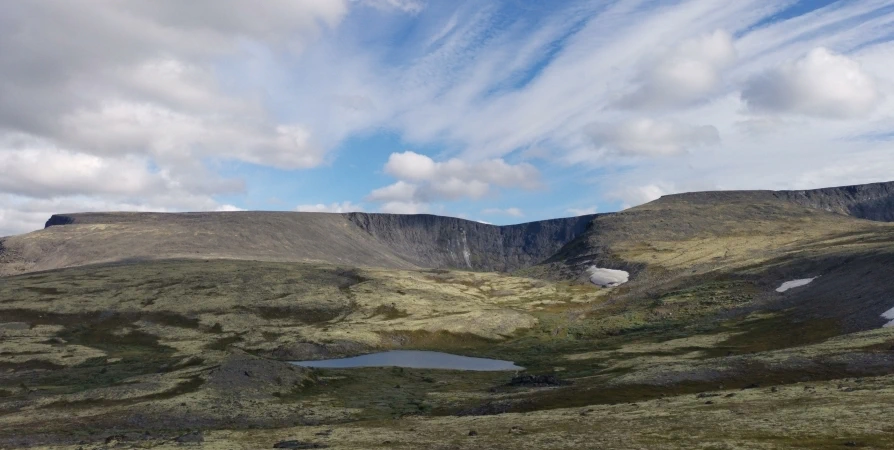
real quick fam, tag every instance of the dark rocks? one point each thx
(867, 201)
(242, 373)
(536, 381)
(299, 444)
(194, 437)
(707, 395)
(307, 351)
(487, 409)
(473, 433)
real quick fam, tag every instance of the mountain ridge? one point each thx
(425, 240)
(359, 239)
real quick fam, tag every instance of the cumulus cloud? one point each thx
(404, 208)
(36, 167)
(582, 211)
(631, 196)
(514, 212)
(229, 208)
(421, 180)
(125, 104)
(650, 137)
(821, 84)
(686, 73)
(165, 134)
(400, 191)
(159, 91)
(342, 207)
(412, 166)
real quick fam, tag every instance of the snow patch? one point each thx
(889, 314)
(794, 283)
(607, 277)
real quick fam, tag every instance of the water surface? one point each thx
(414, 359)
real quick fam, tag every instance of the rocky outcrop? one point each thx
(356, 239)
(867, 201)
(447, 242)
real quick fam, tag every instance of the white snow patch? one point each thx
(794, 283)
(607, 277)
(889, 314)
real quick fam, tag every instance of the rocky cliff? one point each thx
(447, 242)
(867, 201)
(359, 239)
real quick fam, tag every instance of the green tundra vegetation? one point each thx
(100, 348)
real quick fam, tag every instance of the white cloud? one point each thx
(407, 6)
(514, 212)
(229, 208)
(822, 84)
(128, 104)
(400, 191)
(343, 207)
(631, 196)
(421, 180)
(688, 72)
(650, 137)
(410, 166)
(48, 172)
(582, 211)
(404, 208)
(35, 167)
(153, 94)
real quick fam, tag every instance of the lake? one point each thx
(413, 359)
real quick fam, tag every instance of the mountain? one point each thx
(359, 239)
(566, 245)
(867, 201)
(713, 314)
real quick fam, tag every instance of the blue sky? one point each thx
(498, 111)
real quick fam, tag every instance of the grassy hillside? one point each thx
(697, 350)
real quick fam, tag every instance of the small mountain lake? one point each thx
(413, 359)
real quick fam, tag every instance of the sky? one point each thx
(497, 111)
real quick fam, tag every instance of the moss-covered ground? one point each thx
(140, 355)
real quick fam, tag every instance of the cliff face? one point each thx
(361, 239)
(866, 201)
(447, 242)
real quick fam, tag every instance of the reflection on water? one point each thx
(413, 359)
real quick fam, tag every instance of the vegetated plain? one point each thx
(111, 349)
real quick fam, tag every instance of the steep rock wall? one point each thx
(375, 240)
(447, 242)
(867, 201)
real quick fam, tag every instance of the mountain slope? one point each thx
(753, 237)
(867, 201)
(359, 239)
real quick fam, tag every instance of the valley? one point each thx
(165, 331)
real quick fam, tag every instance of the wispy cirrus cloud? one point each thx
(491, 98)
